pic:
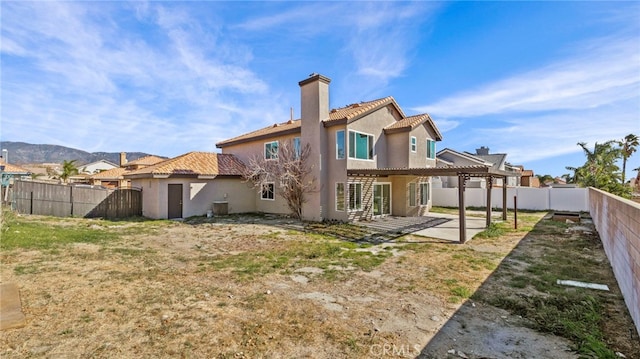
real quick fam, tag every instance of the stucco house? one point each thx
(96, 167)
(367, 158)
(189, 185)
(494, 161)
(114, 178)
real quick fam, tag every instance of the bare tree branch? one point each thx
(287, 167)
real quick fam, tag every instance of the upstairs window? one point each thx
(271, 150)
(431, 149)
(414, 144)
(360, 145)
(340, 145)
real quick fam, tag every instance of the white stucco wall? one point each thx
(198, 195)
(559, 199)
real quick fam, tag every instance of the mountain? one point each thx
(20, 153)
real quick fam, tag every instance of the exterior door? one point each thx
(174, 207)
(381, 199)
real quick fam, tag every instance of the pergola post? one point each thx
(504, 200)
(489, 186)
(461, 208)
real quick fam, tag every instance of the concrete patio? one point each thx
(437, 225)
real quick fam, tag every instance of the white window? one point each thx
(268, 191)
(297, 147)
(340, 145)
(360, 145)
(412, 194)
(424, 193)
(355, 196)
(414, 144)
(339, 196)
(431, 149)
(271, 150)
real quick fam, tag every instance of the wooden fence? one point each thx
(77, 201)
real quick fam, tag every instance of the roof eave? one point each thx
(257, 138)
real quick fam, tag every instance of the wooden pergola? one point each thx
(464, 173)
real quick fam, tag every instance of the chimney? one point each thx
(314, 97)
(123, 159)
(314, 108)
(482, 150)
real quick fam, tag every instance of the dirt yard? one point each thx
(263, 287)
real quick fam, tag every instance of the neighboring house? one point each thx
(482, 157)
(450, 158)
(190, 184)
(368, 159)
(9, 173)
(95, 167)
(114, 178)
(528, 179)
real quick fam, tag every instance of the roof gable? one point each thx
(194, 164)
(467, 156)
(411, 122)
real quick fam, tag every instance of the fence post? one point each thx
(515, 211)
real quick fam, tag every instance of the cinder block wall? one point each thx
(618, 223)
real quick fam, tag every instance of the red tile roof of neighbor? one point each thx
(146, 161)
(348, 113)
(9, 168)
(114, 173)
(194, 163)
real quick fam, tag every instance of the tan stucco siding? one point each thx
(419, 158)
(398, 150)
(373, 124)
(150, 195)
(197, 195)
(336, 172)
(278, 205)
(248, 150)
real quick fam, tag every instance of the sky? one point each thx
(530, 79)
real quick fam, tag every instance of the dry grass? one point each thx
(249, 287)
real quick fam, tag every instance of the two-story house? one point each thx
(365, 157)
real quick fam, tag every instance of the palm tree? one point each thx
(68, 169)
(629, 144)
(600, 169)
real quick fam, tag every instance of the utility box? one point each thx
(220, 208)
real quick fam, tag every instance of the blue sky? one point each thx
(530, 79)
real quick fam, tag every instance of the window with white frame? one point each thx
(355, 196)
(340, 196)
(271, 150)
(360, 145)
(340, 145)
(414, 144)
(412, 194)
(268, 191)
(431, 149)
(297, 147)
(424, 193)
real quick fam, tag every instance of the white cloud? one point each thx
(605, 73)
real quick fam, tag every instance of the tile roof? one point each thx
(411, 122)
(114, 173)
(9, 168)
(355, 110)
(348, 114)
(146, 161)
(290, 126)
(194, 163)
